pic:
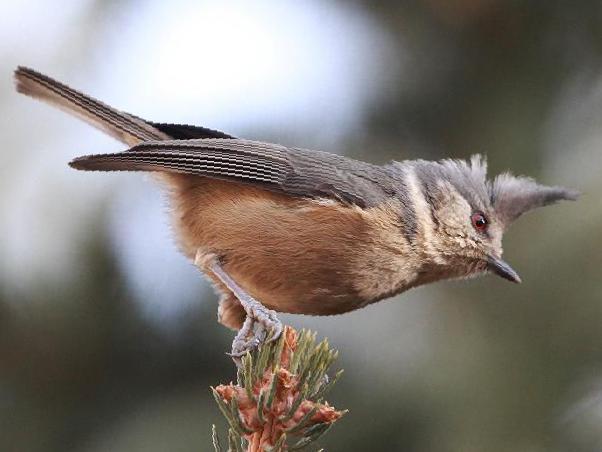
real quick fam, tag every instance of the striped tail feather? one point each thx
(124, 127)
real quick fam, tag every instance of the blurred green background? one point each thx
(108, 337)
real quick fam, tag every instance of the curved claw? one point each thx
(275, 331)
(240, 350)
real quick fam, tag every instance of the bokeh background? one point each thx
(108, 338)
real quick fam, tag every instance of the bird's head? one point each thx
(469, 214)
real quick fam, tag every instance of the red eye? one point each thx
(479, 221)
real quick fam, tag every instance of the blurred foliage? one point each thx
(499, 368)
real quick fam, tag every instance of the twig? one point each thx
(276, 404)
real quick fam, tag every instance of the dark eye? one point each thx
(479, 221)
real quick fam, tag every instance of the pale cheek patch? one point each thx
(454, 220)
(455, 212)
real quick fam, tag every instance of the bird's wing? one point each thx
(293, 171)
(207, 152)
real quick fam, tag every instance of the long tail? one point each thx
(120, 125)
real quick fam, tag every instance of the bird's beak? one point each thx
(501, 268)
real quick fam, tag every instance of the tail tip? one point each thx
(78, 163)
(23, 79)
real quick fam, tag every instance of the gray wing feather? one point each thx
(293, 171)
(207, 152)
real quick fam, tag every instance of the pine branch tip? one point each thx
(278, 402)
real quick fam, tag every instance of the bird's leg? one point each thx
(261, 324)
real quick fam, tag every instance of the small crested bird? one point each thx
(292, 230)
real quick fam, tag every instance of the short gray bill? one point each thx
(501, 268)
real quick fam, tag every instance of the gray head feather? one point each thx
(512, 196)
(468, 178)
(509, 196)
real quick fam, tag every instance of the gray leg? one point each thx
(261, 324)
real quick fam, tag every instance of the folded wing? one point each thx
(205, 152)
(293, 171)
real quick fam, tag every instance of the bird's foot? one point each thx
(261, 326)
(245, 340)
(266, 323)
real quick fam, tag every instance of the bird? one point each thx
(286, 229)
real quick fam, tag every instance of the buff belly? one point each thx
(293, 255)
